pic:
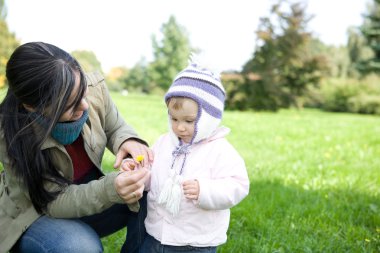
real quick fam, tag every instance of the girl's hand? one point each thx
(128, 164)
(191, 189)
(135, 149)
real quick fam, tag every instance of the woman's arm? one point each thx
(98, 195)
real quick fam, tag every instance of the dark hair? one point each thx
(41, 76)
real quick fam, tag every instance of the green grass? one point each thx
(315, 178)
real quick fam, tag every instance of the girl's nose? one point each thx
(181, 127)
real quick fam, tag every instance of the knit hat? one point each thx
(205, 88)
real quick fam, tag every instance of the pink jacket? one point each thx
(223, 182)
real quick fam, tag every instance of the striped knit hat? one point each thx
(205, 88)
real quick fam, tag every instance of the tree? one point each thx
(138, 78)
(87, 60)
(283, 59)
(371, 32)
(358, 51)
(8, 42)
(171, 53)
(337, 58)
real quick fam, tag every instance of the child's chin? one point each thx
(185, 141)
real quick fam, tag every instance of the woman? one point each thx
(55, 125)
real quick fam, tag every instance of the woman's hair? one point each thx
(41, 76)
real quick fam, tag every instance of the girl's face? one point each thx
(74, 113)
(183, 119)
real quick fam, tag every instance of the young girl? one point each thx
(197, 175)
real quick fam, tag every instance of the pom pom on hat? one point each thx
(204, 87)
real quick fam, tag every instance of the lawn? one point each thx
(315, 178)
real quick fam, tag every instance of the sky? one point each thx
(119, 31)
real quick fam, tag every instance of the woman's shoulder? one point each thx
(94, 78)
(97, 95)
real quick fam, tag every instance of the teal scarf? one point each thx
(66, 132)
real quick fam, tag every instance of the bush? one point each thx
(313, 97)
(237, 97)
(337, 94)
(345, 95)
(365, 103)
(114, 85)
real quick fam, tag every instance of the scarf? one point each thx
(65, 132)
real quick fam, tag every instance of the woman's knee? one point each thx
(59, 235)
(79, 238)
(83, 244)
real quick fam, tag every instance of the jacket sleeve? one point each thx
(90, 198)
(229, 183)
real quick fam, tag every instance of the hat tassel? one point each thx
(171, 194)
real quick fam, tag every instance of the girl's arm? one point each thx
(229, 185)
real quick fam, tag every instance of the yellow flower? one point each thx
(139, 158)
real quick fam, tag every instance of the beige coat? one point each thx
(105, 128)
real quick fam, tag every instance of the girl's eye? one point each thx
(190, 121)
(173, 119)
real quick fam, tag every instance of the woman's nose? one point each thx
(83, 106)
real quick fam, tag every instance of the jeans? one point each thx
(83, 235)
(151, 245)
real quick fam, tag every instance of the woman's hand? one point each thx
(134, 148)
(191, 189)
(130, 184)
